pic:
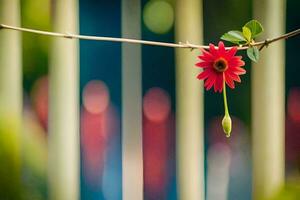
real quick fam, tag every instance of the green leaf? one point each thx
(253, 53)
(229, 38)
(247, 33)
(234, 37)
(255, 27)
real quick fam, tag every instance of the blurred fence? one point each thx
(10, 102)
(268, 103)
(64, 154)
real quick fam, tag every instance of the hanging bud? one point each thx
(226, 124)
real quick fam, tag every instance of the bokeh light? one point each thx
(39, 97)
(156, 104)
(219, 154)
(233, 181)
(94, 130)
(292, 128)
(157, 133)
(95, 96)
(293, 104)
(158, 16)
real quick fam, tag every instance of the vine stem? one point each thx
(186, 44)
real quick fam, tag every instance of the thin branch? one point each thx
(284, 36)
(265, 44)
(110, 39)
(187, 45)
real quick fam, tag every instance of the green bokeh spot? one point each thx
(158, 16)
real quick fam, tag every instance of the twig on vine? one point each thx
(265, 44)
(284, 36)
(187, 45)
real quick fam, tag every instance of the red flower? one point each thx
(219, 64)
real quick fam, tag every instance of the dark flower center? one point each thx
(220, 65)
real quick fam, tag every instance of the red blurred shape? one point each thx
(95, 96)
(97, 121)
(293, 104)
(93, 139)
(292, 126)
(157, 130)
(156, 104)
(39, 96)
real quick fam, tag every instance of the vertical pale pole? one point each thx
(64, 105)
(132, 157)
(189, 103)
(10, 59)
(268, 91)
(10, 100)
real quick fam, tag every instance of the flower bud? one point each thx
(226, 124)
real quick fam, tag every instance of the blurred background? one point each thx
(228, 171)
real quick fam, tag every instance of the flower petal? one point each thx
(213, 50)
(206, 56)
(231, 52)
(219, 83)
(233, 76)
(229, 81)
(203, 75)
(221, 49)
(236, 62)
(210, 81)
(204, 64)
(238, 70)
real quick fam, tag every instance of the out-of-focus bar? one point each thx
(10, 101)
(189, 103)
(268, 93)
(132, 155)
(64, 105)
